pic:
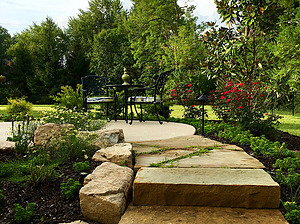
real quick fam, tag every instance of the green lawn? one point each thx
(36, 109)
(288, 123)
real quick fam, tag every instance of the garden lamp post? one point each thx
(203, 98)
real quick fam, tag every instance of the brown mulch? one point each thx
(52, 207)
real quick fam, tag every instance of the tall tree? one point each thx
(152, 23)
(5, 42)
(43, 64)
(5, 88)
(84, 29)
(111, 53)
(242, 51)
(287, 48)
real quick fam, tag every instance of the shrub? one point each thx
(81, 166)
(73, 147)
(70, 98)
(24, 214)
(245, 102)
(186, 96)
(84, 121)
(18, 109)
(70, 188)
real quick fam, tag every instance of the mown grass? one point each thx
(288, 123)
(36, 109)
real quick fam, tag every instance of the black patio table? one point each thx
(126, 88)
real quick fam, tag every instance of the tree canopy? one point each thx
(261, 42)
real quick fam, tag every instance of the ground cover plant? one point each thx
(280, 156)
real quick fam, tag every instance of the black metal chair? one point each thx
(150, 95)
(95, 91)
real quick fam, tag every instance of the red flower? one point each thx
(236, 98)
(240, 107)
(267, 113)
(250, 97)
(228, 100)
(222, 97)
(225, 92)
(255, 83)
(241, 84)
(239, 90)
(189, 85)
(262, 95)
(234, 88)
(266, 87)
(192, 106)
(184, 99)
(173, 94)
(189, 91)
(173, 90)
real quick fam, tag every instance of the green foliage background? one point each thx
(260, 42)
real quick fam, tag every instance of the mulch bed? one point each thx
(52, 206)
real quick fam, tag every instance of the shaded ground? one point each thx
(52, 207)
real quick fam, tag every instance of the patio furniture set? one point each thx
(97, 90)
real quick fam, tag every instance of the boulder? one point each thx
(103, 197)
(120, 154)
(48, 134)
(103, 138)
(7, 146)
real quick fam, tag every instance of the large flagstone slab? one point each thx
(183, 141)
(199, 215)
(214, 187)
(229, 158)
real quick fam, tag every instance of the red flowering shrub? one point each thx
(246, 102)
(185, 95)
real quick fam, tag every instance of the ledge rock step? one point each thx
(212, 187)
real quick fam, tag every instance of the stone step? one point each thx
(212, 187)
(199, 215)
(225, 156)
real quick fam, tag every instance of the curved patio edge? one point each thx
(151, 130)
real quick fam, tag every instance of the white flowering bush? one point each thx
(83, 121)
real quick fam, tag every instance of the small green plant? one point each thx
(23, 215)
(70, 98)
(23, 135)
(41, 174)
(200, 152)
(287, 163)
(1, 196)
(5, 170)
(70, 188)
(81, 166)
(293, 211)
